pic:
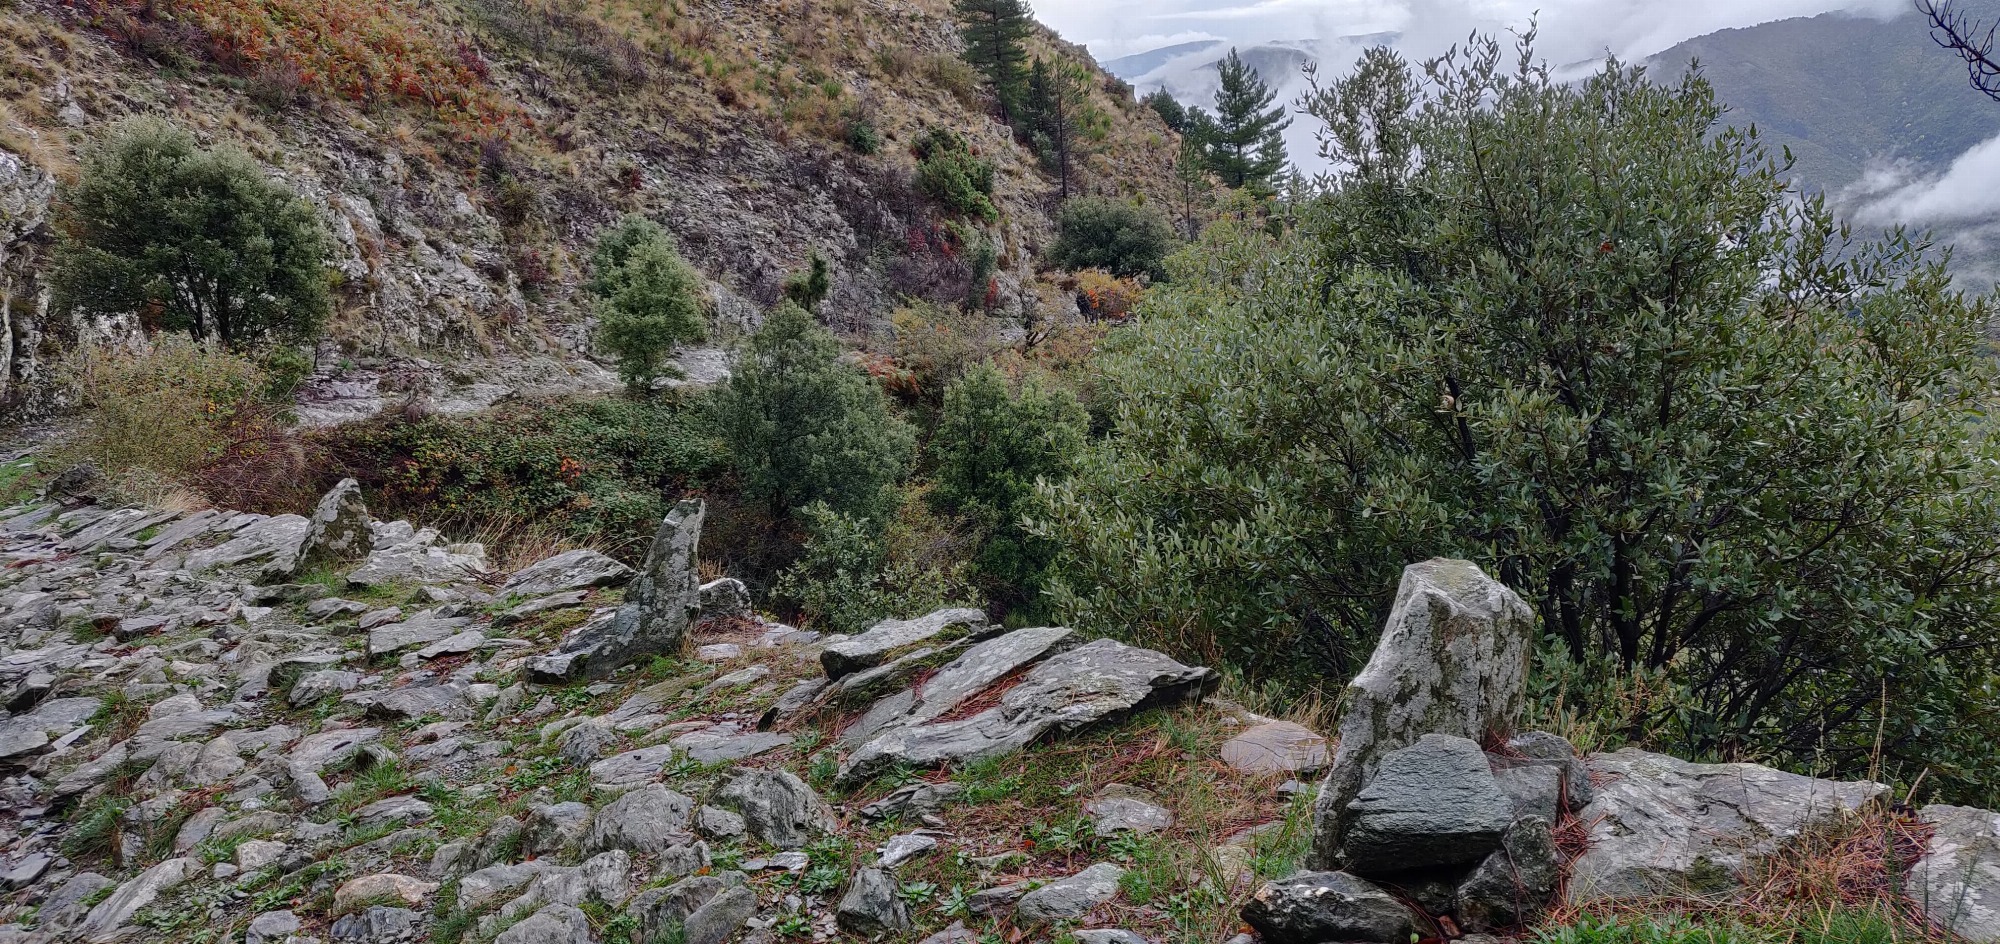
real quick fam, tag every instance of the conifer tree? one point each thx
(1246, 147)
(1056, 116)
(996, 37)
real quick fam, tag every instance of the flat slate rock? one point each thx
(888, 638)
(1276, 747)
(1661, 825)
(422, 629)
(632, 768)
(1098, 681)
(568, 571)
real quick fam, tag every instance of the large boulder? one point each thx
(1453, 659)
(1957, 882)
(1315, 907)
(660, 604)
(339, 529)
(1660, 825)
(1430, 804)
(1099, 681)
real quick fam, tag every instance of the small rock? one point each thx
(720, 919)
(871, 905)
(1070, 898)
(1121, 808)
(1276, 747)
(903, 848)
(271, 927)
(1432, 803)
(554, 924)
(368, 889)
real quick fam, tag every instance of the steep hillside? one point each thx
(1841, 91)
(467, 152)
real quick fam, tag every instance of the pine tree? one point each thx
(1245, 144)
(996, 37)
(1056, 115)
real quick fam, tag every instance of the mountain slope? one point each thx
(1841, 91)
(467, 151)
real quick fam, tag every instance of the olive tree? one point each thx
(1588, 338)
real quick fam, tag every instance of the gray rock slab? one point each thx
(888, 638)
(1661, 825)
(1093, 683)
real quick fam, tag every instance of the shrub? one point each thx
(808, 288)
(991, 448)
(1744, 459)
(804, 427)
(649, 300)
(948, 172)
(854, 572)
(862, 136)
(182, 422)
(1102, 296)
(592, 471)
(1114, 235)
(936, 345)
(190, 240)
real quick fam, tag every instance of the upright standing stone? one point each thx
(1453, 659)
(338, 531)
(659, 605)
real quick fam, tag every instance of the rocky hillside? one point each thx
(224, 727)
(467, 152)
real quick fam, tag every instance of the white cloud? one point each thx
(1900, 193)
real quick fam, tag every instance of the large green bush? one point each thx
(649, 300)
(805, 427)
(1597, 346)
(991, 447)
(1119, 237)
(190, 240)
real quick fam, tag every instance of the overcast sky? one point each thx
(1571, 29)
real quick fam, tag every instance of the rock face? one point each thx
(1957, 882)
(1100, 680)
(1315, 907)
(1511, 887)
(660, 604)
(1453, 659)
(1661, 825)
(339, 529)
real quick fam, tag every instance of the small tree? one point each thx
(996, 43)
(949, 173)
(189, 239)
(1193, 187)
(992, 447)
(1170, 110)
(805, 427)
(1246, 144)
(649, 300)
(1114, 235)
(1057, 117)
(807, 289)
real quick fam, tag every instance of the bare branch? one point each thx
(1971, 39)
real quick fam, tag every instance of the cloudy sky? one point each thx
(1571, 29)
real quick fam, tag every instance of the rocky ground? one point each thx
(230, 727)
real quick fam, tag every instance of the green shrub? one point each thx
(649, 300)
(1746, 461)
(855, 572)
(805, 427)
(1119, 237)
(949, 173)
(808, 288)
(862, 136)
(991, 448)
(190, 240)
(592, 471)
